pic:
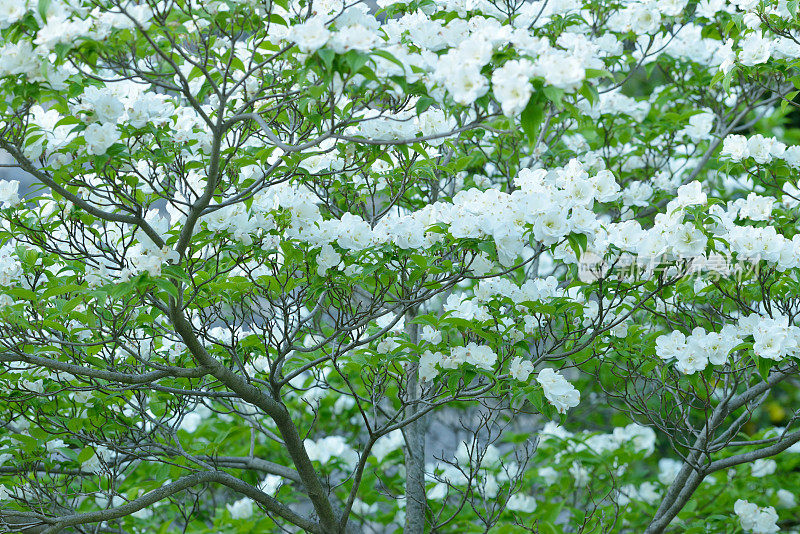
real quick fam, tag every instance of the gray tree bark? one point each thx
(416, 501)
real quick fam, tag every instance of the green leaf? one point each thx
(578, 242)
(386, 55)
(355, 60)
(424, 103)
(167, 286)
(21, 292)
(531, 118)
(60, 290)
(555, 95)
(599, 73)
(85, 454)
(42, 7)
(72, 304)
(177, 272)
(589, 92)
(27, 443)
(764, 365)
(326, 55)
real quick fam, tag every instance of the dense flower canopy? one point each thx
(435, 265)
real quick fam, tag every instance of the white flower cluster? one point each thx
(102, 108)
(549, 205)
(761, 149)
(615, 103)
(687, 43)
(755, 519)
(406, 124)
(481, 356)
(558, 391)
(540, 289)
(773, 339)
(641, 438)
(329, 448)
(9, 193)
(699, 349)
(757, 49)
(10, 267)
(448, 56)
(646, 492)
(634, 438)
(23, 59)
(673, 237)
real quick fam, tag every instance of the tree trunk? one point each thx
(416, 502)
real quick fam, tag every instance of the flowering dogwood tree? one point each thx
(426, 266)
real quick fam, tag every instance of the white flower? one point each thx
(427, 365)
(466, 85)
(326, 259)
(354, 233)
(9, 193)
(756, 520)
(100, 137)
(770, 340)
(606, 186)
(637, 194)
(94, 464)
(691, 194)
(106, 106)
(311, 35)
(580, 474)
(390, 442)
(560, 393)
(735, 147)
(691, 361)
(648, 492)
(478, 355)
(385, 346)
(549, 475)
(668, 470)
(363, 509)
(241, 509)
(763, 467)
(490, 487)
(786, 498)
(355, 37)
(756, 207)
(520, 369)
(431, 335)
(792, 157)
(512, 86)
(560, 69)
(11, 11)
(755, 49)
(270, 484)
(671, 8)
(437, 492)
(642, 438)
(644, 18)
(762, 149)
(521, 503)
(191, 421)
(331, 447)
(688, 241)
(551, 226)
